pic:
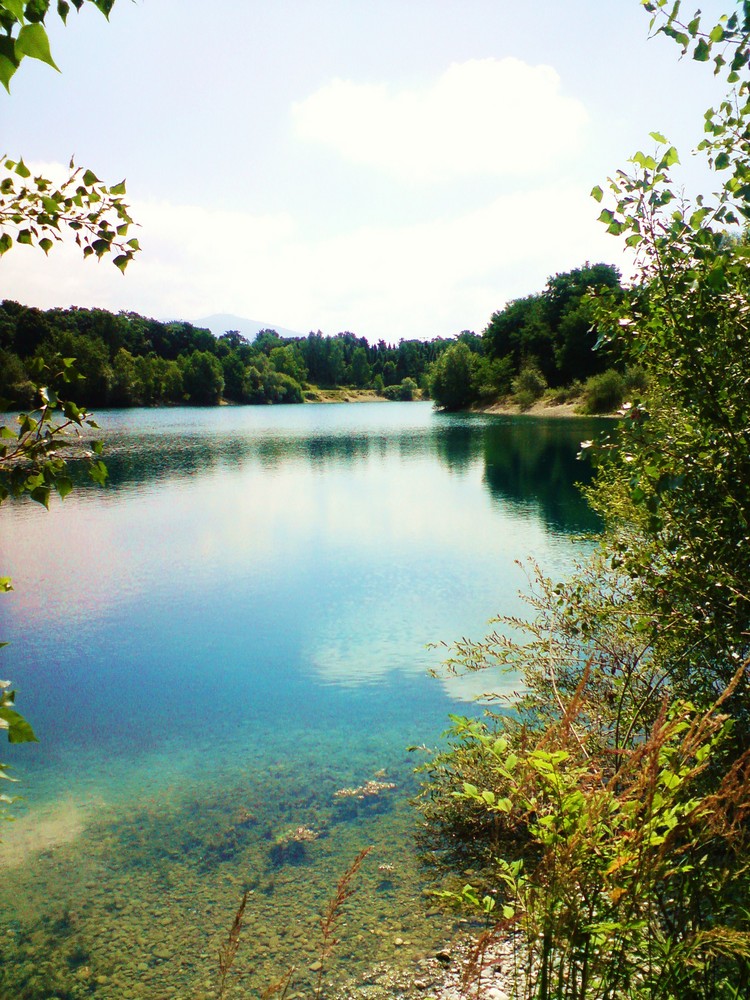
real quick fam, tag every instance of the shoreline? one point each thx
(541, 408)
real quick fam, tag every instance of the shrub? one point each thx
(528, 386)
(603, 393)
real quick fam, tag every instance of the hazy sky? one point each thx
(398, 168)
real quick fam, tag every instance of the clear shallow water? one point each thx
(231, 632)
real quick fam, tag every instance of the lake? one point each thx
(232, 632)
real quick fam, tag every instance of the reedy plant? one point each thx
(333, 914)
(329, 922)
(630, 876)
(228, 952)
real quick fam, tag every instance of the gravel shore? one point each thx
(442, 976)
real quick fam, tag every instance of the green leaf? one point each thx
(98, 473)
(19, 730)
(118, 188)
(596, 193)
(63, 485)
(15, 7)
(22, 170)
(51, 206)
(701, 51)
(90, 178)
(32, 41)
(41, 495)
(8, 62)
(46, 244)
(658, 137)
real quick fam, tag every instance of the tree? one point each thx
(520, 331)
(571, 315)
(361, 372)
(288, 360)
(680, 477)
(203, 378)
(555, 330)
(452, 378)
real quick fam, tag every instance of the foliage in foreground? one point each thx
(602, 825)
(37, 211)
(34, 449)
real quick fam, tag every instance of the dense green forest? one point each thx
(545, 339)
(128, 360)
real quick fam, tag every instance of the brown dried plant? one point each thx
(228, 953)
(334, 912)
(280, 987)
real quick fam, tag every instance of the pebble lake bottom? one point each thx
(224, 656)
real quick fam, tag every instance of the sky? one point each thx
(399, 168)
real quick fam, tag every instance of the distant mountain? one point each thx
(221, 322)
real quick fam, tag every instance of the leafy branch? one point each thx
(727, 42)
(22, 31)
(30, 459)
(36, 212)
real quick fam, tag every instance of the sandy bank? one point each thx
(542, 408)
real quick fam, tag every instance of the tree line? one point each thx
(125, 359)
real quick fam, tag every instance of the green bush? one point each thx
(636, 381)
(565, 393)
(528, 386)
(603, 393)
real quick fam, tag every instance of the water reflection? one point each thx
(534, 460)
(528, 462)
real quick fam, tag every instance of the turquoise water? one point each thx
(213, 646)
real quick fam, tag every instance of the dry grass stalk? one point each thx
(334, 911)
(228, 953)
(279, 988)
(483, 954)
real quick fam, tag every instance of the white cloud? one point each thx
(485, 116)
(432, 278)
